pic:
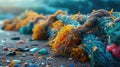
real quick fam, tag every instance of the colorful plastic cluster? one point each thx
(56, 26)
(67, 32)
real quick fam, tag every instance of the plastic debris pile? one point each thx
(83, 37)
(97, 51)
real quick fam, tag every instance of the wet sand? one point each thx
(5, 41)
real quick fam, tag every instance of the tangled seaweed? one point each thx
(84, 37)
(64, 40)
(16, 23)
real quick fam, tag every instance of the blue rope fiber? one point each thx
(100, 57)
(67, 20)
(115, 37)
(106, 29)
(51, 32)
(103, 24)
(116, 14)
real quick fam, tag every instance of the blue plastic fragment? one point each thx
(32, 65)
(62, 66)
(34, 50)
(71, 65)
(43, 51)
(17, 65)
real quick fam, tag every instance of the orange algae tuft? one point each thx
(61, 38)
(39, 31)
(79, 54)
(57, 24)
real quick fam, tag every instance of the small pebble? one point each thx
(15, 38)
(23, 49)
(62, 66)
(32, 65)
(11, 53)
(20, 42)
(17, 52)
(25, 64)
(43, 51)
(23, 55)
(16, 61)
(43, 63)
(40, 57)
(49, 58)
(13, 49)
(70, 58)
(71, 65)
(47, 65)
(31, 40)
(34, 50)
(5, 49)
(7, 61)
(3, 59)
(3, 42)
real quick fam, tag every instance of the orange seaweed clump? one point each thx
(30, 17)
(61, 41)
(79, 54)
(57, 25)
(6, 22)
(39, 31)
(19, 22)
(60, 12)
(9, 27)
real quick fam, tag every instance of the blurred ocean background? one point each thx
(12, 8)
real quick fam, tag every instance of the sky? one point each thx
(10, 1)
(24, 3)
(50, 6)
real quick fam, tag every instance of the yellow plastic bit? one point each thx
(75, 16)
(57, 24)
(95, 48)
(111, 11)
(80, 54)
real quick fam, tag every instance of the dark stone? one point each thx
(31, 40)
(22, 49)
(11, 53)
(15, 38)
